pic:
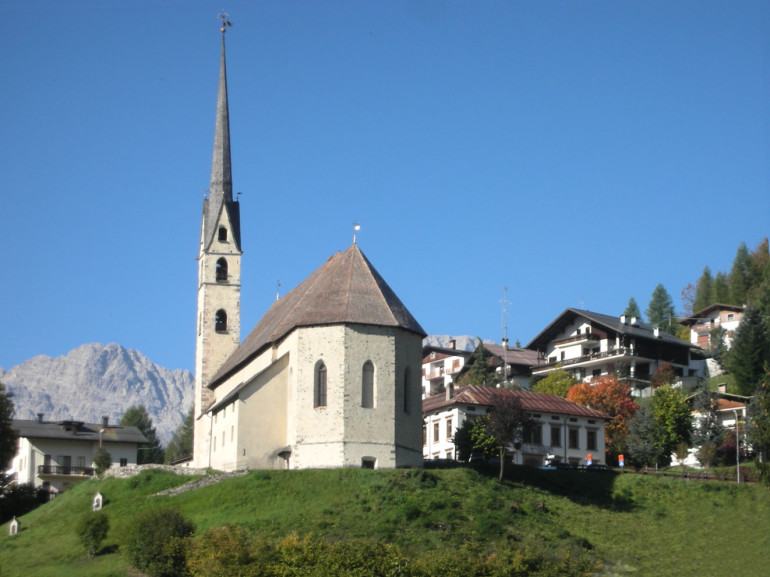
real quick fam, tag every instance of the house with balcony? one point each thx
(591, 345)
(440, 367)
(562, 431)
(703, 322)
(56, 454)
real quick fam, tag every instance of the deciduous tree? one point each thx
(558, 382)
(507, 423)
(673, 415)
(758, 420)
(612, 397)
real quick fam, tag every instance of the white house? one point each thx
(440, 367)
(54, 455)
(563, 431)
(589, 344)
(704, 321)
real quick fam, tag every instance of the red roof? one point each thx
(530, 401)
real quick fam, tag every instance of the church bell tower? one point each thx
(218, 327)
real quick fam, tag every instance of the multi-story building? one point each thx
(591, 345)
(562, 431)
(440, 367)
(704, 321)
(55, 455)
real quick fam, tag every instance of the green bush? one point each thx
(224, 552)
(92, 530)
(156, 543)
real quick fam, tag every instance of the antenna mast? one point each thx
(505, 303)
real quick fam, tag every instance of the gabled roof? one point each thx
(77, 431)
(638, 330)
(346, 289)
(695, 317)
(513, 355)
(490, 396)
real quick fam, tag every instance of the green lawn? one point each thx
(632, 524)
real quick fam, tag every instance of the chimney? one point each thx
(622, 319)
(656, 332)
(722, 387)
(450, 391)
(40, 417)
(633, 321)
(453, 344)
(105, 421)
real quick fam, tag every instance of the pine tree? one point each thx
(632, 309)
(741, 276)
(660, 311)
(181, 444)
(750, 351)
(720, 292)
(704, 290)
(151, 452)
(480, 371)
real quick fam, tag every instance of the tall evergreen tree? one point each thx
(750, 351)
(642, 440)
(704, 290)
(151, 452)
(760, 283)
(7, 434)
(741, 276)
(660, 311)
(480, 371)
(720, 292)
(181, 444)
(632, 309)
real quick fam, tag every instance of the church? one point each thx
(331, 374)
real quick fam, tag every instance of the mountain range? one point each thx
(95, 380)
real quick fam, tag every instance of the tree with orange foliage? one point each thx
(612, 397)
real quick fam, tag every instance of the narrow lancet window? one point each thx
(367, 386)
(220, 321)
(222, 234)
(221, 270)
(319, 393)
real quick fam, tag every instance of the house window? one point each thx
(319, 396)
(449, 428)
(534, 434)
(367, 385)
(222, 234)
(730, 317)
(573, 439)
(591, 440)
(555, 436)
(221, 270)
(596, 373)
(424, 435)
(220, 321)
(81, 462)
(435, 432)
(123, 462)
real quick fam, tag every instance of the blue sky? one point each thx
(577, 152)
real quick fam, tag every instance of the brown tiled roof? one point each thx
(514, 356)
(530, 401)
(345, 289)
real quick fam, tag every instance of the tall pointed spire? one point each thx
(221, 175)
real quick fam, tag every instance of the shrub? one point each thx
(156, 542)
(92, 530)
(102, 461)
(18, 500)
(223, 552)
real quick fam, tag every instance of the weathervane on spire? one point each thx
(356, 228)
(225, 18)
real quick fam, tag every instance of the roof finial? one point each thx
(356, 228)
(225, 18)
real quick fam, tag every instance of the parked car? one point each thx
(598, 467)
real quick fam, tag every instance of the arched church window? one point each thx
(367, 386)
(222, 234)
(220, 321)
(319, 390)
(407, 390)
(221, 270)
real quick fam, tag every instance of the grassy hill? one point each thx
(562, 522)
